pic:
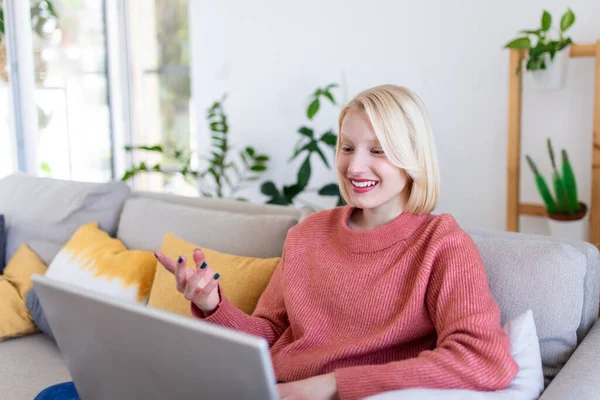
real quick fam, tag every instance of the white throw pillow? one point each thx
(528, 384)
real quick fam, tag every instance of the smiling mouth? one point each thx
(363, 184)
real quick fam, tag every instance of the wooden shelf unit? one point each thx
(514, 207)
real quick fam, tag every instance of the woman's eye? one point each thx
(377, 151)
(346, 149)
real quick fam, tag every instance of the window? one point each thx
(71, 94)
(161, 89)
(80, 137)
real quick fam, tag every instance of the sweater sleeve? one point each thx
(269, 319)
(472, 350)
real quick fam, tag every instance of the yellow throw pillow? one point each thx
(21, 266)
(242, 281)
(93, 260)
(15, 319)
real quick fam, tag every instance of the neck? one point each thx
(371, 218)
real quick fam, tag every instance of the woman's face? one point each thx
(371, 180)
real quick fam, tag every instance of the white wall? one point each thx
(269, 55)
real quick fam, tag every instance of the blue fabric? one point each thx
(2, 244)
(32, 301)
(60, 391)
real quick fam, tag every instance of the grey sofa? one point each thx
(559, 281)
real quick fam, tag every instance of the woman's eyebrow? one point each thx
(374, 141)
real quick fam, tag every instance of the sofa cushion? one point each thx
(14, 284)
(28, 365)
(45, 212)
(546, 277)
(144, 222)
(94, 261)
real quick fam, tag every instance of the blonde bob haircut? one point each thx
(402, 126)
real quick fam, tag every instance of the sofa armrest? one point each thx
(578, 379)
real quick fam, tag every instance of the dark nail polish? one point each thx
(179, 260)
(203, 265)
(217, 276)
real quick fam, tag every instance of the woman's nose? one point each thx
(357, 164)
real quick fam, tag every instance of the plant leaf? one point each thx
(310, 146)
(156, 148)
(304, 173)
(329, 138)
(546, 21)
(250, 151)
(292, 191)
(567, 20)
(268, 188)
(261, 158)
(306, 132)
(331, 189)
(519, 44)
(531, 32)
(313, 108)
(329, 96)
(258, 168)
(318, 150)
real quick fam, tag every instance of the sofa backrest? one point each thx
(46, 212)
(558, 280)
(233, 227)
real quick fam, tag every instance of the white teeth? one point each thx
(363, 184)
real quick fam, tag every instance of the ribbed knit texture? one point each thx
(404, 305)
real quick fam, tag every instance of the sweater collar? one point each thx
(379, 238)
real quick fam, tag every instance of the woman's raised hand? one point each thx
(199, 285)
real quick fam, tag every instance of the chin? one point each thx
(363, 203)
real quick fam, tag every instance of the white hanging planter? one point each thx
(570, 227)
(554, 76)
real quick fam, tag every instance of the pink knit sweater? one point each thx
(401, 306)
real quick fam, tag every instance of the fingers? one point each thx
(201, 262)
(194, 284)
(209, 287)
(180, 274)
(169, 264)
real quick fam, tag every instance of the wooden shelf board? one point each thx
(536, 210)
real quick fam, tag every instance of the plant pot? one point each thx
(554, 76)
(570, 227)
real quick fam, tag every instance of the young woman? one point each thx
(378, 295)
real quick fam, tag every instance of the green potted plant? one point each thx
(566, 213)
(310, 144)
(548, 51)
(226, 172)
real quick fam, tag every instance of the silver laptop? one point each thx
(119, 350)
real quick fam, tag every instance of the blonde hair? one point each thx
(402, 126)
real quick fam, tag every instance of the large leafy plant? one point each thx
(565, 199)
(225, 173)
(308, 145)
(538, 41)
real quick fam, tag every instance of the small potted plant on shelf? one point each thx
(548, 53)
(566, 213)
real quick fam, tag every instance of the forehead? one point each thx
(356, 126)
